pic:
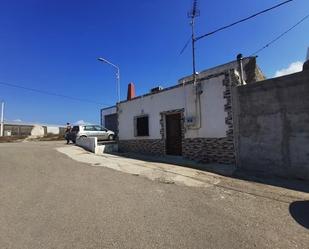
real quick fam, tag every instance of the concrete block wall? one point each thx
(272, 119)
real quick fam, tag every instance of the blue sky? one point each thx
(53, 46)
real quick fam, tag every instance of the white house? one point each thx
(190, 119)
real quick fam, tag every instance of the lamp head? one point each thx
(102, 59)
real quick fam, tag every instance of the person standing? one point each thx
(67, 133)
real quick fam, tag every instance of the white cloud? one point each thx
(17, 120)
(81, 122)
(294, 67)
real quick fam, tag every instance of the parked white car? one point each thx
(98, 131)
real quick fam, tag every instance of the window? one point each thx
(141, 126)
(98, 128)
(75, 128)
(89, 128)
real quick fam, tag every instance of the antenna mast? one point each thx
(192, 14)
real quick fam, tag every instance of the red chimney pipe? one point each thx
(131, 91)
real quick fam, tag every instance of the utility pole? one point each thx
(2, 119)
(192, 14)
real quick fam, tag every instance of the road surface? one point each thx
(49, 200)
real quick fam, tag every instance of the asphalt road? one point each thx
(48, 200)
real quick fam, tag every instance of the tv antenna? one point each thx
(192, 14)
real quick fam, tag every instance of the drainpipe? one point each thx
(185, 98)
(198, 111)
(197, 94)
(241, 68)
(198, 89)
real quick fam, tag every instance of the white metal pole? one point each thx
(118, 84)
(117, 76)
(2, 119)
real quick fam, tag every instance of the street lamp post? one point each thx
(2, 119)
(117, 75)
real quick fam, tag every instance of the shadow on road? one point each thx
(226, 170)
(259, 177)
(299, 210)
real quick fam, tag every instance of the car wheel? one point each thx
(111, 137)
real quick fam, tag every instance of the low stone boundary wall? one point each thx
(91, 144)
(88, 143)
(106, 148)
(205, 150)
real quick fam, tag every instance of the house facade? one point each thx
(190, 119)
(225, 117)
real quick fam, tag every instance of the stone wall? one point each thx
(209, 150)
(273, 126)
(146, 146)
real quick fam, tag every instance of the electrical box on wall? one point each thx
(190, 121)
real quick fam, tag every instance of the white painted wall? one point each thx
(218, 69)
(88, 143)
(107, 111)
(52, 130)
(91, 144)
(212, 102)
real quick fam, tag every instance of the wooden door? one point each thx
(173, 134)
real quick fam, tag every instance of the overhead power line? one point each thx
(185, 46)
(280, 36)
(50, 93)
(242, 20)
